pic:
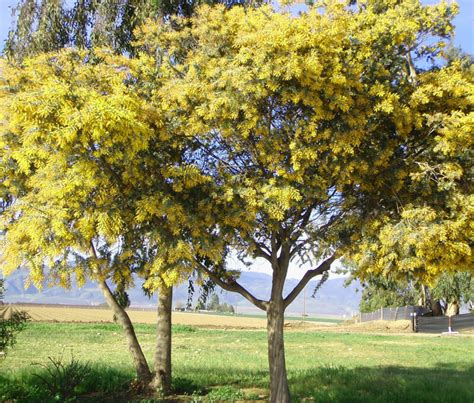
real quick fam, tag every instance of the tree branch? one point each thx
(261, 250)
(233, 286)
(324, 266)
(319, 231)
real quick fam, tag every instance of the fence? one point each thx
(440, 324)
(398, 313)
(422, 324)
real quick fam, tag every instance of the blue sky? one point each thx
(464, 23)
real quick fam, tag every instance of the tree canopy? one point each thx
(294, 139)
(323, 139)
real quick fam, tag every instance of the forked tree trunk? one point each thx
(139, 361)
(279, 391)
(162, 378)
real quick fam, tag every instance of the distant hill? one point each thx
(332, 299)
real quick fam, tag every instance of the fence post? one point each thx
(413, 321)
(381, 313)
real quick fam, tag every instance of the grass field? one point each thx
(232, 364)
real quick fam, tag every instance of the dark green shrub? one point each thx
(10, 324)
(63, 380)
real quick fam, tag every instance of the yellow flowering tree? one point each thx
(433, 231)
(80, 150)
(48, 25)
(96, 185)
(315, 132)
(62, 115)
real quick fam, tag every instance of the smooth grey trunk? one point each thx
(139, 361)
(162, 378)
(279, 391)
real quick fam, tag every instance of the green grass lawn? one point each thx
(233, 364)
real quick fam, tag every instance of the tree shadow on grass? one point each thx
(445, 383)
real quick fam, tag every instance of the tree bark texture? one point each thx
(162, 377)
(279, 391)
(139, 361)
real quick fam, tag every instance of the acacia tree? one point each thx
(411, 241)
(61, 118)
(51, 25)
(313, 130)
(97, 184)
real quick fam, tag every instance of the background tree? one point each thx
(380, 292)
(213, 304)
(453, 289)
(315, 132)
(51, 25)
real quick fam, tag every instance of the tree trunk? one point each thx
(279, 391)
(423, 300)
(452, 308)
(436, 308)
(139, 360)
(162, 378)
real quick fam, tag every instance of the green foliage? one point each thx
(213, 304)
(62, 379)
(225, 393)
(381, 292)
(454, 287)
(101, 381)
(51, 25)
(226, 308)
(183, 329)
(186, 386)
(10, 326)
(9, 329)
